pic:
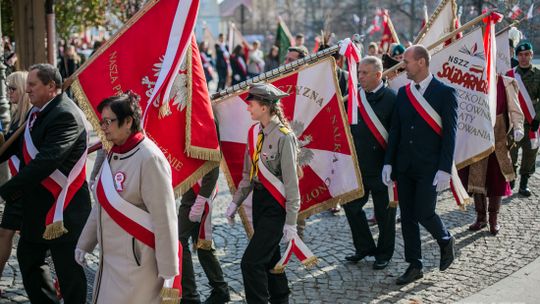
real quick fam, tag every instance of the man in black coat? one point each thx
(57, 131)
(370, 153)
(222, 61)
(421, 160)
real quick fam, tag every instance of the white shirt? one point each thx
(424, 83)
(381, 84)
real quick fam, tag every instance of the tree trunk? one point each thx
(29, 19)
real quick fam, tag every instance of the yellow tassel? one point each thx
(164, 110)
(54, 230)
(170, 301)
(310, 262)
(169, 293)
(204, 244)
(393, 204)
(278, 269)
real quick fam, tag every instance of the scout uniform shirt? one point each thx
(279, 155)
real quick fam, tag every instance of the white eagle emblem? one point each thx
(305, 155)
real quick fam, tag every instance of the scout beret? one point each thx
(265, 92)
(398, 50)
(523, 46)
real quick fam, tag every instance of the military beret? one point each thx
(398, 50)
(265, 92)
(524, 46)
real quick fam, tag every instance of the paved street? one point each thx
(482, 259)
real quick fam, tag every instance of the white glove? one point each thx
(80, 256)
(386, 174)
(518, 135)
(237, 77)
(441, 180)
(289, 232)
(196, 212)
(534, 143)
(231, 212)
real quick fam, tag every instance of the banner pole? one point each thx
(466, 26)
(282, 69)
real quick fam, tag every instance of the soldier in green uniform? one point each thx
(276, 150)
(531, 79)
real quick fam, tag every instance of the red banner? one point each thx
(156, 56)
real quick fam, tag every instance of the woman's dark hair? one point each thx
(124, 106)
(238, 51)
(270, 56)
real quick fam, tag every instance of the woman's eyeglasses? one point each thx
(107, 122)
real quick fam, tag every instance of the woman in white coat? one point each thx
(134, 221)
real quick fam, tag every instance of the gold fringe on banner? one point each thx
(54, 230)
(170, 296)
(204, 244)
(310, 262)
(193, 151)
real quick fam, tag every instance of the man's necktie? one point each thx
(417, 86)
(255, 157)
(33, 118)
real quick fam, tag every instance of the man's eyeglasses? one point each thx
(107, 122)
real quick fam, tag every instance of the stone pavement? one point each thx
(482, 260)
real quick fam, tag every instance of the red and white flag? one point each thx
(352, 53)
(490, 50)
(515, 12)
(426, 17)
(442, 22)
(389, 34)
(315, 111)
(156, 56)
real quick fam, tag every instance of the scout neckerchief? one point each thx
(376, 128)
(62, 187)
(277, 190)
(525, 102)
(135, 221)
(433, 119)
(205, 228)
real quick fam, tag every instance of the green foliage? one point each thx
(75, 15)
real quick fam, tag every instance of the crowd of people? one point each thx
(144, 240)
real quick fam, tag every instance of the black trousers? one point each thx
(417, 200)
(209, 262)
(385, 216)
(262, 252)
(37, 280)
(222, 77)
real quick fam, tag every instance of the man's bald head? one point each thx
(419, 52)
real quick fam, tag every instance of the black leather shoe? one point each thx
(447, 254)
(378, 265)
(218, 298)
(412, 274)
(357, 257)
(525, 191)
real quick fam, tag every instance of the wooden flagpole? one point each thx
(465, 27)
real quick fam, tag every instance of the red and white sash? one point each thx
(277, 190)
(204, 240)
(62, 187)
(433, 119)
(526, 104)
(352, 53)
(381, 135)
(135, 221)
(13, 164)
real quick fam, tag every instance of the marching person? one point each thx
(135, 220)
(420, 157)
(370, 152)
(191, 217)
(222, 61)
(12, 216)
(528, 78)
(488, 179)
(274, 157)
(238, 65)
(51, 155)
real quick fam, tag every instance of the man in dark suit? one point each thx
(57, 131)
(370, 154)
(222, 61)
(421, 160)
